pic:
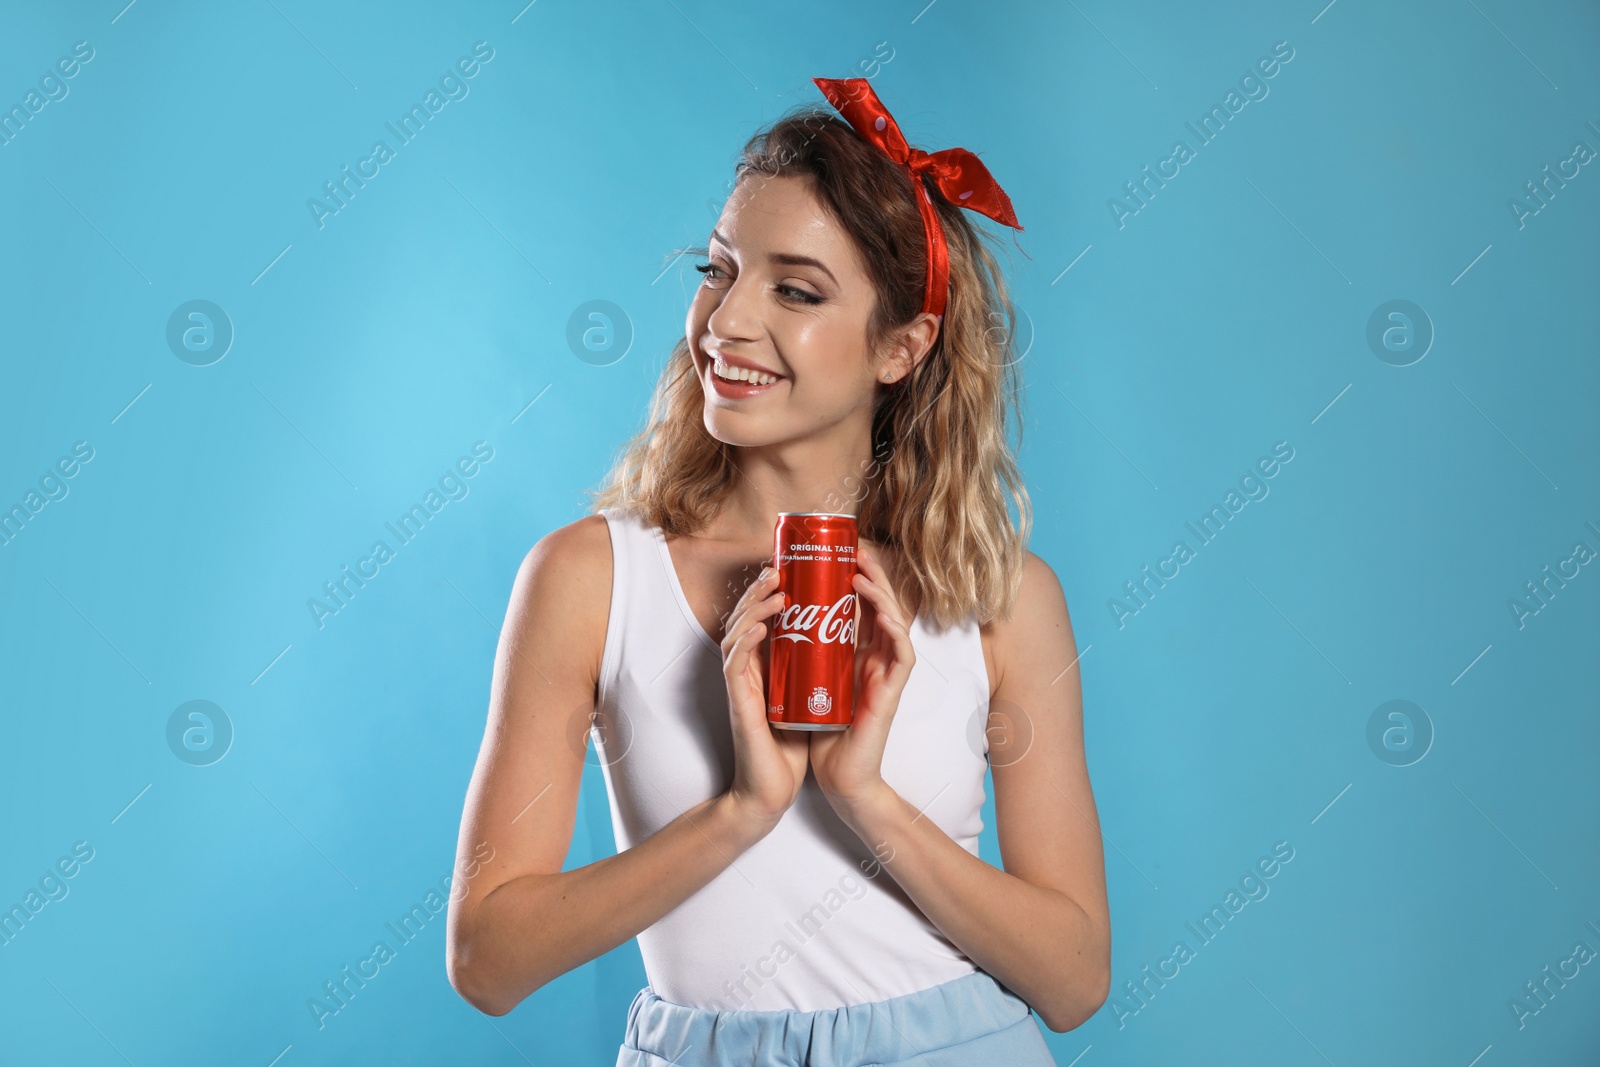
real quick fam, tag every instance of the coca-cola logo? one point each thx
(817, 624)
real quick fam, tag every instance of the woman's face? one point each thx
(784, 291)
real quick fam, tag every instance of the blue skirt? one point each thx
(969, 1020)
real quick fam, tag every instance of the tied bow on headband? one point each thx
(958, 174)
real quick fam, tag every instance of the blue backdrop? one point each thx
(241, 341)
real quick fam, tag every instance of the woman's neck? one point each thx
(796, 477)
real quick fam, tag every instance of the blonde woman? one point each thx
(805, 898)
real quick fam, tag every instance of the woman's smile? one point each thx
(736, 378)
(737, 388)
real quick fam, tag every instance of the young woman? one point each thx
(805, 898)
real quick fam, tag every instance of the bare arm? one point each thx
(516, 919)
(1041, 926)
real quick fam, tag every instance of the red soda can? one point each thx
(811, 672)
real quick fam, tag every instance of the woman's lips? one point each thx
(730, 390)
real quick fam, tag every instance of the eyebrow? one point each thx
(788, 258)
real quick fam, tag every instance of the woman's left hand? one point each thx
(848, 763)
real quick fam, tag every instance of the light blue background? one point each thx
(1228, 314)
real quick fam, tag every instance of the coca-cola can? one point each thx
(811, 673)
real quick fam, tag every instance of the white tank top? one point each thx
(805, 919)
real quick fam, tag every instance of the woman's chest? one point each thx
(713, 576)
(673, 745)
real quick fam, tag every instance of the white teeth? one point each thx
(741, 374)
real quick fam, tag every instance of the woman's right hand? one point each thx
(769, 766)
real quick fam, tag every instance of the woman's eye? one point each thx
(800, 294)
(715, 278)
(709, 269)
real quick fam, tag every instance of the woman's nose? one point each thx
(737, 313)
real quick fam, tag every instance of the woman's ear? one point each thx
(910, 346)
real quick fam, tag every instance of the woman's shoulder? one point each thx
(582, 546)
(1039, 607)
(1039, 599)
(564, 587)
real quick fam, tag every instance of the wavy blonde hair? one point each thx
(937, 487)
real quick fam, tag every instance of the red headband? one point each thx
(957, 173)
